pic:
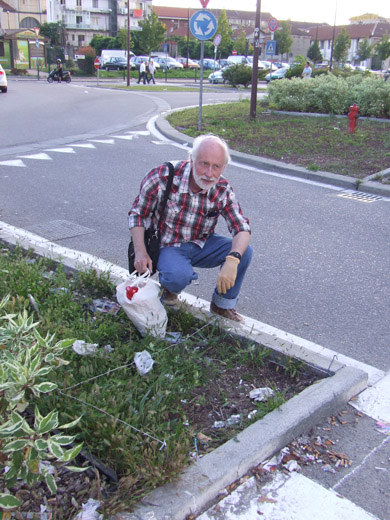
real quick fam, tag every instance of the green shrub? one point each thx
(331, 94)
(238, 75)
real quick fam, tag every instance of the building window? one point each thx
(29, 23)
(79, 20)
(78, 3)
(63, 2)
(81, 40)
(2, 49)
(95, 4)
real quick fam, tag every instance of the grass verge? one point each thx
(146, 428)
(315, 143)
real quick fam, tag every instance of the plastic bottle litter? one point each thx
(88, 349)
(144, 362)
(261, 394)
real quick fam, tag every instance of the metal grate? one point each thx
(359, 195)
(59, 229)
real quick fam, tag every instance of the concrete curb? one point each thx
(349, 183)
(199, 485)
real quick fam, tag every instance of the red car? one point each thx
(191, 64)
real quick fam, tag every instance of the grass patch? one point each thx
(145, 428)
(322, 143)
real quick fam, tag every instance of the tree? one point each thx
(99, 43)
(283, 38)
(53, 31)
(224, 29)
(314, 52)
(242, 46)
(364, 50)
(341, 46)
(152, 34)
(383, 48)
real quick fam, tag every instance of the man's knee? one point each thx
(175, 281)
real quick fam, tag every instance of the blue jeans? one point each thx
(175, 266)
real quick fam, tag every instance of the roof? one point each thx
(355, 31)
(184, 13)
(7, 7)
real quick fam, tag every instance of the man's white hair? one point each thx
(198, 141)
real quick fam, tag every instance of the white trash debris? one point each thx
(219, 424)
(233, 419)
(292, 465)
(144, 362)
(252, 414)
(89, 511)
(261, 394)
(84, 349)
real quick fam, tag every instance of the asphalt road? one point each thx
(320, 268)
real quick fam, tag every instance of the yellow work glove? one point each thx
(227, 274)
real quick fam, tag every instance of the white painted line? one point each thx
(60, 150)
(375, 401)
(39, 156)
(128, 137)
(140, 132)
(103, 141)
(85, 145)
(286, 497)
(15, 162)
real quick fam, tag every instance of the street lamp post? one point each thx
(255, 66)
(128, 43)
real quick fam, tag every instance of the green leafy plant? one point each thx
(27, 359)
(238, 75)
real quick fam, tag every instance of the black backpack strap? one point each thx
(166, 193)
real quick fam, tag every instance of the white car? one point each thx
(3, 80)
(168, 63)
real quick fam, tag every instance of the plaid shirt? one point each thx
(188, 217)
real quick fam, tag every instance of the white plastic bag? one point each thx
(139, 298)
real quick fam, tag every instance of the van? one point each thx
(106, 54)
(237, 59)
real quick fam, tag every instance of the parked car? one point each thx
(168, 63)
(238, 59)
(276, 74)
(225, 63)
(209, 64)
(360, 68)
(217, 76)
(3, 80)
(269, 65)
(114, 63)
(191, 63)
(281, 64)
(386, 74)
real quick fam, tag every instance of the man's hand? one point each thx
(142, 261)
(227, 274)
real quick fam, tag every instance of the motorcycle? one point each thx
(53, 76)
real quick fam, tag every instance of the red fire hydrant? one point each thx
(352, 116)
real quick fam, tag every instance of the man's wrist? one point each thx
(235, 254)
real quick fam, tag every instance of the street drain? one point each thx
(359, 195)
(59, 229)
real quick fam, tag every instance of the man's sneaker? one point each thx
(230, 314)
(169, 298)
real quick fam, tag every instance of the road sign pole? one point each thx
(255, 67)
(201, 85)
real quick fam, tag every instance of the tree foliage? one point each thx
(53, 31)
(341, 46)
(242, 45)
(238, 75)
(224, 29)
(314, 52)
(99, 43)
(364, 50)
(284, 38)
(383, 48)
(152, 34)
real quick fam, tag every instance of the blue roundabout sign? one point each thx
(203, 25)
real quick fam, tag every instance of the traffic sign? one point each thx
(37, 43)
(217, 40)
(273, 24)
(204, 3)
(270, 47)
(203, 25)
(96, 63)
(36, 30)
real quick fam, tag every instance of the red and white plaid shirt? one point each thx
(188, 217)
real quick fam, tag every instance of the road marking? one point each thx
(85, 145)
(103, 141)
(16, 162)
(128, 137)
(39, 156)
(60, 150)
(375, 401)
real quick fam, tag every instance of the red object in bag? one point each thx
(130, 291)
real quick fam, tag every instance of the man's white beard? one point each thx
(202, 183)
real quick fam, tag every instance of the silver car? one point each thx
(3, 80)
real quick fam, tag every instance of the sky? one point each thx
(297, 10)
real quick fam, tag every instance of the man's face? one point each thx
(209, 165)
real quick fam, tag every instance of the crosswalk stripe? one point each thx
(16, 162)
(39, 156)
(128, 137)
(85, 145)
(61, 150)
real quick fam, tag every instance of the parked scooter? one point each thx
(53, 76)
